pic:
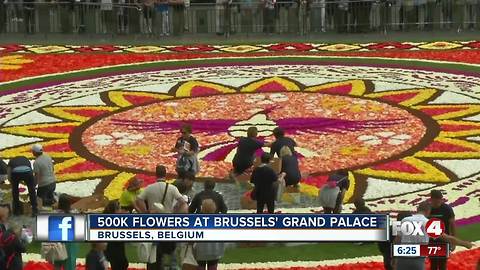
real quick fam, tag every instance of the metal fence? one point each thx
(226, 18)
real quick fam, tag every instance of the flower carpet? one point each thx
(402, 117)
(460, 260)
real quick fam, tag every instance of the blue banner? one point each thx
(237, 221)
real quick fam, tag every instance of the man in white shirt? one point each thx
(159, 197)
(423, 211)
(159, 194)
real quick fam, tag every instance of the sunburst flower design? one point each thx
(395, 135)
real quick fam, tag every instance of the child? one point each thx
(96, 260)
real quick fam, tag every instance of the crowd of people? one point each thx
(180, 196)
(166, 17)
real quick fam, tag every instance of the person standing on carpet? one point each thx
(264, 177)
(187, 148)
(445, 213)
(20, 169)
(44, 175)
(115, 252)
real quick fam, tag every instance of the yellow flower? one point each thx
(354, 150)
(141, 150)
(309, 190)
(13, 62)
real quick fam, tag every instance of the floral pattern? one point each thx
(388, 137)
(13, 62)
(90, 144)
(118, 138)
(459, 260)
(367, 130)
(278, 47)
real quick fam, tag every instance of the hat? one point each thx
(436, 194)
(37, 148)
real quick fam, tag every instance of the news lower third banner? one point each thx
(221, 227)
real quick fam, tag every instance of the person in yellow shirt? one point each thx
(129, 195)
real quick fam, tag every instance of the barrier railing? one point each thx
(226, 18)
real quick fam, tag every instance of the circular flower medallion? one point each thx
(326, 128)
(398, 132)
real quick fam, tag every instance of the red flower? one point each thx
(99, 48)
(193, 48)
(11, 48)
(390, 45)
(473, 44)
(299, 47)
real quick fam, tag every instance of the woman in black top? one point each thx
(115, 251)
(281, 141)
(290, 167)
(247, 146)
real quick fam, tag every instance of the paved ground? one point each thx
(238, 38)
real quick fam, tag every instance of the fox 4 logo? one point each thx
(434, 228)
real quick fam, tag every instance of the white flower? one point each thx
(255, 98)
(388, 137)
(278, 97)
(266, 99)
(82, 189)
(118, 138)
(171, 104)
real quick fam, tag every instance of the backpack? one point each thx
(5, 240)
(53, 251)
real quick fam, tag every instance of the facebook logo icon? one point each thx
(61, 228)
